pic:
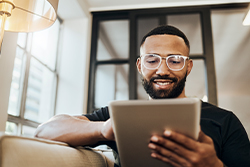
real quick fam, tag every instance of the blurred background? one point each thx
(87, 58)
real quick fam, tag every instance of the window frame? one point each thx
(161, 13)
(20, 121)
(93, 59)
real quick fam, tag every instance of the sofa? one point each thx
(18, 151)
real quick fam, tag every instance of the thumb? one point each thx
(203, 138)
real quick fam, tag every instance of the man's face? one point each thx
(163, 82)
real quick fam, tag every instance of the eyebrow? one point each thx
(167, 55)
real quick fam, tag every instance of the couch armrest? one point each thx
(17, 151)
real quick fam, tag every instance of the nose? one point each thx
(163, 69)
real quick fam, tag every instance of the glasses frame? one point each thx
(166, 58)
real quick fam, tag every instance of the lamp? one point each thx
(26, 15)
(246, 21)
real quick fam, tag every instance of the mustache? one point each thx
(164, 77)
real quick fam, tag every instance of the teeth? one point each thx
(163, 83)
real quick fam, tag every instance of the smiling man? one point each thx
(163, 65)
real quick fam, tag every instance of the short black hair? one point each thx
(166, 29)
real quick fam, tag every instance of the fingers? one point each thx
(189, 143)
(167, 156)
(180, 150)
(183, 140)
(169, 148)
(165, 159)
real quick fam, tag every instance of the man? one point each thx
(164, 66)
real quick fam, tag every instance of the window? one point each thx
(116, 36)
(34, 80)
(112, 63)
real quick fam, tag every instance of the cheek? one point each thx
(180, 74)
(147, 73)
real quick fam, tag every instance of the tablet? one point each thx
(135, 121)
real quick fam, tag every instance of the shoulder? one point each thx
(216, 117)
(230, 138)
(207, 107)
(101, 114)
(209, 111)
(225, 120)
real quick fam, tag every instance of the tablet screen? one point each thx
(135, 121)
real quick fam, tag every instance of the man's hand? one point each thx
(182, 151)
(107, 130)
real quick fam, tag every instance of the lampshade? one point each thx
(26, 15)
(246, 21)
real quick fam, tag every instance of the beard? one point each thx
(173, 92)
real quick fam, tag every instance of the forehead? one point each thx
(164, 45)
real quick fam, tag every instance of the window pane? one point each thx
(191, 26)
(29, 41)
(144, 25)
(28, 131)
(21, 40)
(113, 40)
(195, 84)
(44, 45)
(17, 83)
(111, 84)
(40, 93)
(11, 128)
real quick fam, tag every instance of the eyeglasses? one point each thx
(174, 62)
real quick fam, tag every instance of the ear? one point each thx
(189, 66)
(138, 64)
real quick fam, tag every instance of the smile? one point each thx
(163, 83)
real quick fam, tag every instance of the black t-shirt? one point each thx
(229, 136)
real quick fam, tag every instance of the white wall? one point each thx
(231, 53)
(7, 58)
(73, 67)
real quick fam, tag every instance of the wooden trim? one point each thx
(209, 55)
(133, 56)
(113, 61)
(91, 96)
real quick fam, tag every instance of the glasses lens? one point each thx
(175, 62)
(151, 61)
